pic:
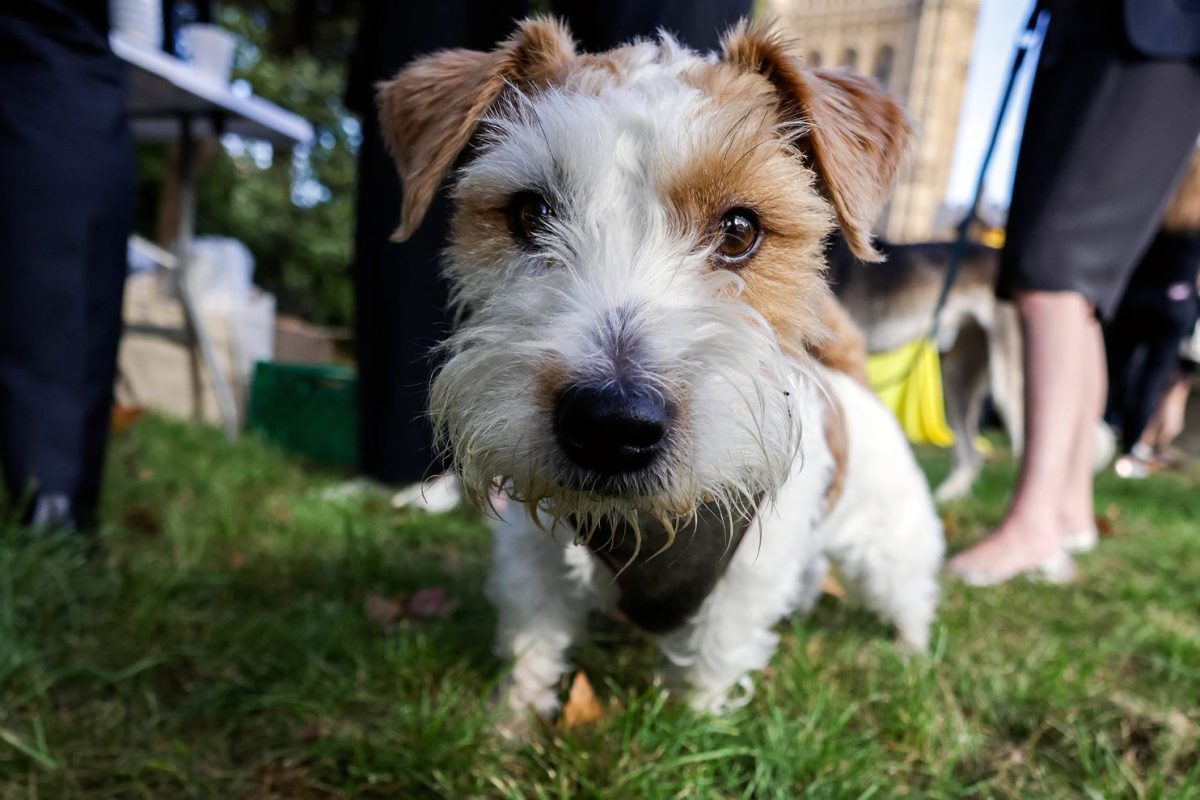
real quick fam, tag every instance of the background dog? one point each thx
(979, 335)
(636, 256)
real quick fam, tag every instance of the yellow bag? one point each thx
(909, 380)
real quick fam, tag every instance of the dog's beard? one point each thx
(585, 513)
(510, 454)
(555, 492)
(736, 439)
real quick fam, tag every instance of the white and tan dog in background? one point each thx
(636, 257)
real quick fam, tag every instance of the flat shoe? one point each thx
(1059, 568)
(1081, 541)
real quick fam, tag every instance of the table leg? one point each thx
(198, 338)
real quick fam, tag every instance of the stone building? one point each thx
(920, 51)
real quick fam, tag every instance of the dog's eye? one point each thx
(739, 234)
(528, 216)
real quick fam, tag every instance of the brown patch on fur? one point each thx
(751, 166)
(606, 63)
(1183, 211)
(430, 110)
(851, 132)
(844, 348)
(838, 440)
(548, 384)
(854, 132)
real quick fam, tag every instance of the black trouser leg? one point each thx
(699, 24)
(1159, 358)
(400, 298)
(108, 267)
(1142, 343)
(1120, 349)
(66, 196)
(401, 315)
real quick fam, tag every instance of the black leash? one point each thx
(959, 251)
(1024, 45)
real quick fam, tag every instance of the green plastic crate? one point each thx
(308, 410)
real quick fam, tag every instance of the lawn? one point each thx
(251, 630)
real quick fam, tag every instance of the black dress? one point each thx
(1108, 132)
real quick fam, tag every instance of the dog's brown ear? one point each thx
(852, 130)
(429, 111)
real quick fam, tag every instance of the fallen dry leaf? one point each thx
(286, 778)
(1108, 522)
(430, 602)
(832, 586)
(124, 417)
(950, 527)
(813, 649)
(144, 519)
(582, 707)
(383, 611)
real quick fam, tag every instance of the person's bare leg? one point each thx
(1059, 391)
(1077, 512)
(1168, 422)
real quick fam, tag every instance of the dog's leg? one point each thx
(542, 590)
(884, 533)
(732, 634)
(811, 581)
(964, 373)
(899, 584)
(890, 556)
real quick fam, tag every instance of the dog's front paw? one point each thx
(516, 724)
(718, 700)
(913, 640)
(957, 485)
(521, 710)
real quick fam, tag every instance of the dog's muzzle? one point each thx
(612, 429)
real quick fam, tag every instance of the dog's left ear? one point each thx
(852, 130)
(430, 110)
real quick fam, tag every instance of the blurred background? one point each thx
(293, 207)
(269, 609)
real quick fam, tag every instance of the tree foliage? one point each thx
(295, 211)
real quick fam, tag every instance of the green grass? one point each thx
(219, 647)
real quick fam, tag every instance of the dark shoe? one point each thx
(55, 512)
(56, 517)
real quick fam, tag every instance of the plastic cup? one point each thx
(212, 50)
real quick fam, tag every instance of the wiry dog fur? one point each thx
(640, 151)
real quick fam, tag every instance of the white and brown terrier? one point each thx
(648, 356)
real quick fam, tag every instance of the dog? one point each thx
(979, 338)
(978, 334)
(648, 365)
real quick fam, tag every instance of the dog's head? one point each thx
(635, 255)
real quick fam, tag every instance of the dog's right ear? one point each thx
(430, 110)
(851, 131)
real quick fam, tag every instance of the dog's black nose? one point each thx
(611, 429)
